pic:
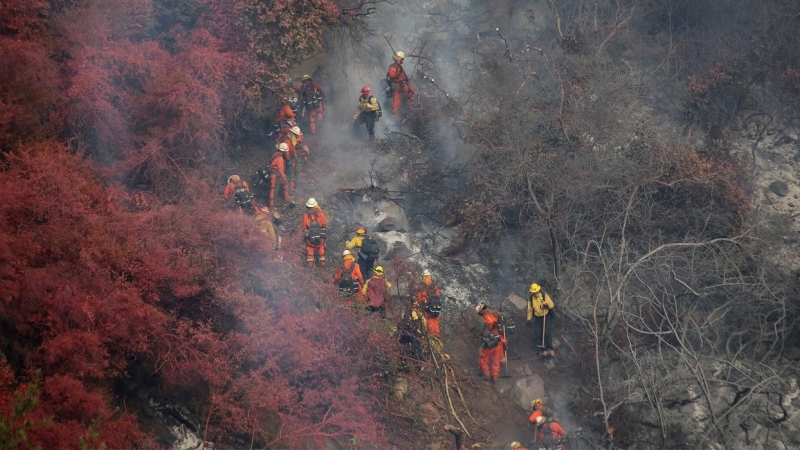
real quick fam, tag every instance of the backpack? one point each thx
(347, 283)
(370, 248)
(433, 306)
(315, 231)
(376, 292)
(490, 341)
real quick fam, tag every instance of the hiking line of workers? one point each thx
(303, 105)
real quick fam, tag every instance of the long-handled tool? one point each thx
(544, 329)
(504, 372)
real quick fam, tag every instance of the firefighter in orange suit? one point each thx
(349, 279)
(399, 83)
(492, 344)
(314, 226)
(311, 95)
(277, 170)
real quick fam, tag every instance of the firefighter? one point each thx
(312, 96)
(277, 170)
(314, 226)
(240, 190)
(264, 219)
(349, 279)
(367, 249)
(539, 308)
(492, 344)
(398, 80)
(538, 410)
(376, 292)
(286, 115)
(368, 112)
(549, 433)
(293, 138)
(429, 297)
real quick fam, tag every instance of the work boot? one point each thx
(322, 264)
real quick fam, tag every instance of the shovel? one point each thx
(544, 328)
(504, 372)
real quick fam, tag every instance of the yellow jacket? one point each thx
(354, 243)
(376, 279)
(535, 304)
(367, 103)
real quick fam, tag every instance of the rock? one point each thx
(779, 188)
(519, 302)
(446, 241)
(526, 389)
(397, 248)
(550, 364)
(556, 343)
(383, 215)
(687, 409)
(400, 388)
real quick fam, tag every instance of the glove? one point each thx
(528, 324)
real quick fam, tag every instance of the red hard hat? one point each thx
(366, 90)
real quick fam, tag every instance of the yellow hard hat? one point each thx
(306, 77)
(515, 445)
(536, 402)
(378, 270)
(233, 178)
(535, 288)
(361, 230)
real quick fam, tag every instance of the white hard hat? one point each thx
(539, 420)
(284, 147)
(346, 252)
(481, 306)
(232, 177)
(311, 203)
(400, 55)
(426, 273)
(296, 130)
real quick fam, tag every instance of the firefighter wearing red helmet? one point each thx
(368, 112)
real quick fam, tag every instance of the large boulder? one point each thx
(526, 389)
(446, 241)
(518, 302)
(382, 215)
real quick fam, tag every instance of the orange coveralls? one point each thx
(311, 249)
(233, 186)
(551, 427)
(493, 355)
(277, 169)
(399, 79)
(285, 114)
(422, 296)
(315, 114)
(349, 264)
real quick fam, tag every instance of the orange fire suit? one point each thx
(277, 168)
(397, 76)
(537, 411)
(231, 187)
(293, 141)
(308, 89)
(314, 249)
(285, 114)
(550, 432)
(349, 264)
(425, 292)
(494, 355)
